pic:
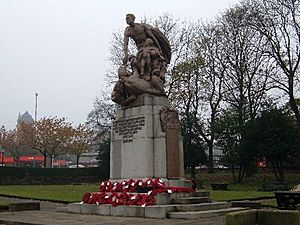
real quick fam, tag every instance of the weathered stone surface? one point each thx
(162, 199)
(178, 182)
(202, 206)
(171, 125)
(104, 209)
(88, 209)
(247, 217)
(134, 211)
(118, 210)
(116, 159)
(278, 217)
(137, 159)
(158, 212)
(161, 101)
(263, 217)
(160, 166)
(138, 141)
(74, 207)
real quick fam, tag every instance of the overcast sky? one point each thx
(59, 49)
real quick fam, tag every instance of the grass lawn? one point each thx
(68, 193)
(236, 195)
(236, 192)
(71, 193)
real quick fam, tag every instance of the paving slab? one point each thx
(191, 200)
(203, 214)
(61, 218)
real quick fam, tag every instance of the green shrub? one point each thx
(24, 175)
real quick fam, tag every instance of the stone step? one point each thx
(23, 206)
(187, 194)
(190, 200)
(62, 209)
(200, 194)
(202, 206)
(202, 214)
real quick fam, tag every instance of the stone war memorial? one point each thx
(146, 155)
(145, 139)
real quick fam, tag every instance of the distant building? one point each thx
(1, 156)
(25, 118)
(32, 161)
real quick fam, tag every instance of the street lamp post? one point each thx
(35, 110)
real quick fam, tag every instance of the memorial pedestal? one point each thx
(140, 144)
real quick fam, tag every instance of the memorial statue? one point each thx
(147, 68)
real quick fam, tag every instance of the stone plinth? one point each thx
(138, 142)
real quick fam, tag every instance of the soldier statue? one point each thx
(147, 68)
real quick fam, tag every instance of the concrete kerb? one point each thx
(90, 209)
(134, 211)
(247, 217)
(264, 217)
(118, 210)
(74, 207)
(278, 217)
(103, 209)
(156, 211)
(22, 206)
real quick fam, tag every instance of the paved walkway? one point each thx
(48, 216)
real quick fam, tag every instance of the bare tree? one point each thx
(248, 71)
(279, 22)
(99, 121)
(100, 117)
(189, 80)
(209, 46)
(246, 78)
(181, 36)
(199, 81)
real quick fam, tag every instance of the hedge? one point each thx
(24, 175)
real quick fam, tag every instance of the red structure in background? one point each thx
(262, 164)
(32, 161)
(1, 158)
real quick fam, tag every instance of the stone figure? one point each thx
(147, 68)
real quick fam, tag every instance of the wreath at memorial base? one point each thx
(124, 193)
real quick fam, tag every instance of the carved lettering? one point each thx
(127, 128)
